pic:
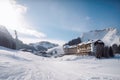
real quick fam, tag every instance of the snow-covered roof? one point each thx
(87, 42)
(67, 46)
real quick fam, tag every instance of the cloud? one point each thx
(12, 15)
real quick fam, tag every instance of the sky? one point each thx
(57, 20)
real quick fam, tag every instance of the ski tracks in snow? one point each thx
(48, 69)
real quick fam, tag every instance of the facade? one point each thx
(70, 50)
(85, 48)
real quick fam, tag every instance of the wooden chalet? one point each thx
(70, 50)
(85, 48)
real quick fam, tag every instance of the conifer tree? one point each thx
(115, 48)
(106, 51)
(111, 52)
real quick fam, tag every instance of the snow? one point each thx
(18, 65)
(108, 35)
(59, 50)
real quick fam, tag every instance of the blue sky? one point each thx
(67, 19)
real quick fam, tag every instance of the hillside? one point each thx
(108, 35)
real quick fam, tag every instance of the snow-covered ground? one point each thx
(18, 65)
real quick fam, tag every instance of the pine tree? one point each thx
(115, 48)
(106, 52)
(119, 49)
(111, 52)
(99, 51)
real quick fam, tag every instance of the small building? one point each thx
(70, 49)
(84, 48)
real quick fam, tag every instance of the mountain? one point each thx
(44, 45)
(6, 39)
(43, 48)
(109, 36)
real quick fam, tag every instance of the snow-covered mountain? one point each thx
(108, 35)
(43, 44)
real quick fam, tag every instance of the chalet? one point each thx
(70, 49)
(84, 48)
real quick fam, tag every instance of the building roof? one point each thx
(87, 42)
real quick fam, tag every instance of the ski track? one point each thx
(50, 71)
(32, 67)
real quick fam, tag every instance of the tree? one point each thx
(119, 49)
(99, 50)
(111, 52)
(106, 52)
(115, 48)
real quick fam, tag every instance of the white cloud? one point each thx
(12, 15)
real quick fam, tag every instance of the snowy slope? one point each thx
(55, 51)
(108, 35)
(17, 65)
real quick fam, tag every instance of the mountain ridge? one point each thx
(109, 35)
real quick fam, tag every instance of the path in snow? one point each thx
(26, 66)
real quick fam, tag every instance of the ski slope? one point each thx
(17, 65)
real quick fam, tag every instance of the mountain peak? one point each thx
(109, 35)
(44, 44)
